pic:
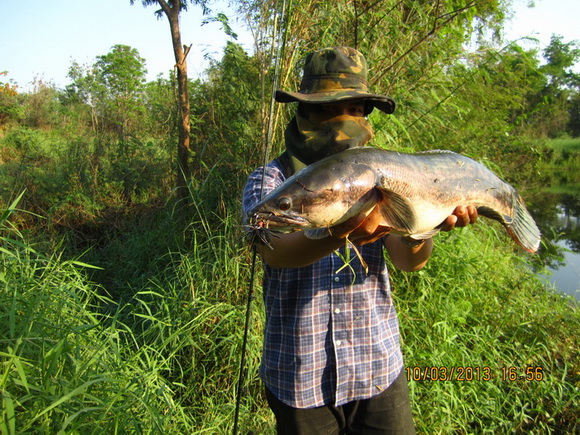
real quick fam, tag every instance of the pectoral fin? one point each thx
(396, 210)
(490, 213)
(319, 233)
(425, 235)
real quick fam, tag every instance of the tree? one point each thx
(172, 9)
(574, 123)
(560, 58)
(112, 92)
(121, 77)
(228, 112)
(162, 112)
(112, 87)
(563, 85)
(551, 104)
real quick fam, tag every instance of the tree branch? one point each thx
(169, 11)
(451, 15)
(186, 49)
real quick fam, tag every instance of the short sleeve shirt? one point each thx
(331, 334)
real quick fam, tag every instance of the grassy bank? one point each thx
(163, 359)
(565, 146)
(563, 158)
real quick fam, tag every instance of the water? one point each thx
(566, 279)
(558, 216)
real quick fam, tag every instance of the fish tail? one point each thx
(523, 228)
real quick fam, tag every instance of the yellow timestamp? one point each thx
(469, 373)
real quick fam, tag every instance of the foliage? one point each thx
(159, 119)
(172, 10)
(228, 114)
(10, 109)
(560, 58)
(551, 109)
(181, 4)
(444, 94)
(117, 346)
(42, 108)
(75, 359)
(113, 89)
(574, 124)
(420, 60)
(63, 368)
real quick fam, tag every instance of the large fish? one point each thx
(414, 193)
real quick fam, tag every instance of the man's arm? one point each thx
(296, 250)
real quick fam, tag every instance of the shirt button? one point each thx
(338, 342)
(336, 279)
(336, 310)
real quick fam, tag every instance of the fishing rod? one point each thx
(268, 143)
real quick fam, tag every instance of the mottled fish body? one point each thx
(414, 194)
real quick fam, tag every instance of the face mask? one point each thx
(310, 142)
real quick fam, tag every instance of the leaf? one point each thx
(222, 18)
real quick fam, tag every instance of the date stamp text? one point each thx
(468, 373)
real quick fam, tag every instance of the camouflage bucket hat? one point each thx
(332, 75)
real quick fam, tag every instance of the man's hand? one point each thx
(366, 229)
(361, 229)
(461, 217)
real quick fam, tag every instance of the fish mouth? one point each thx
(277, 222)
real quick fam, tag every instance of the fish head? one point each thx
(323, 194)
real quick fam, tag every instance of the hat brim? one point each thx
(381, 102)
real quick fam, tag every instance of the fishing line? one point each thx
(268, 142)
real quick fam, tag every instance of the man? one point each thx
(332, 362)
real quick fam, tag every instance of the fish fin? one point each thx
(425, 235)
(436, 152)
(490, 213)
(318, 233)
(396, 210)
(521, 227)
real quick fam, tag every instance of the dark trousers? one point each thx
(387, 413)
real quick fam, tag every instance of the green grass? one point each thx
(164, 357)
(476, 309)
(559, 169)
(162, 360)
(565, 144)
(564, 153)
(67, 367)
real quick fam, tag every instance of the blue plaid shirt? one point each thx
(331, 336)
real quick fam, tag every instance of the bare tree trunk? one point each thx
(180, 52)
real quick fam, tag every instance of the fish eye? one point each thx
(284, 203)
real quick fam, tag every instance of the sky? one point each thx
(39, 39)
